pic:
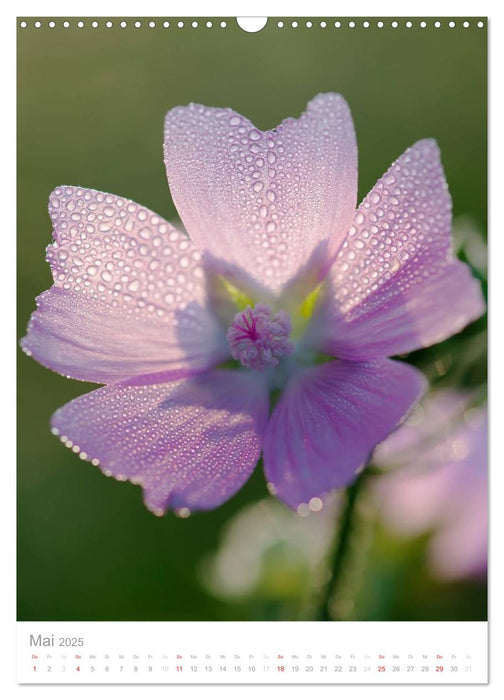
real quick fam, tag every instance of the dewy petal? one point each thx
(264, 200)
(329, 419)
(395, 285)
(190, 444)
(129, 294)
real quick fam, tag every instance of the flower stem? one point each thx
(342, 546)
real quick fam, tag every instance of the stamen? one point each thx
(258, 338)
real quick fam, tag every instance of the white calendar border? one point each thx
(307, 652)
(257, 8)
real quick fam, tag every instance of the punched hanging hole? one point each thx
(251, 24)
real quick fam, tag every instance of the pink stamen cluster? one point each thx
(258, 338)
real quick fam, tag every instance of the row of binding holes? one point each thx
(366, 24)
(137, 24)
(280, 24)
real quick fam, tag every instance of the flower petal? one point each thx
(427, 437)
(328, 421)
(439, 464)
(264, 200)
(129, 295)
(441, 484)
(190, 444)
(396, 287)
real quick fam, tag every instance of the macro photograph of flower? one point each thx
(252, 293)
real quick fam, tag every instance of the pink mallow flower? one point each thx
(281, 285)
(438, 482)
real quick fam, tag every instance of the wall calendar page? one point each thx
(252, 266)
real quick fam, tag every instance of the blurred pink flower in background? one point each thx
(438, 482)
(279, 271)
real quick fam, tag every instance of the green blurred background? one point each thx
(91, 104)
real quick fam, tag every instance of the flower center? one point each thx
(258, 338)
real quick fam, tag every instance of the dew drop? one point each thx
(134, 286)
(395, 265)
